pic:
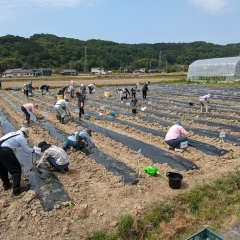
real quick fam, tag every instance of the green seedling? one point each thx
(48, 182)
(34, 168)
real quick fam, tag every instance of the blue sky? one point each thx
(125, 21)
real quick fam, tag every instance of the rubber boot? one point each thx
(62, 120)
(80, 115)
(57, 117)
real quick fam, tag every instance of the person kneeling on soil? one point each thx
(62, 109)
(79, 140)
(56, 156)
(175, 136)
(9, 163)
(29, 107)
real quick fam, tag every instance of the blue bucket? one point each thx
(112, 114)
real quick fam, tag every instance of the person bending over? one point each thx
(9, 163)
(62, 109)
(79, 140)
(27, 108)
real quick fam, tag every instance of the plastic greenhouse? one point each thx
(215, 69)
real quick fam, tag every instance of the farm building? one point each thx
(219, 69)
(97, 71)
(42, 72)
(17, 72)
(68, 72)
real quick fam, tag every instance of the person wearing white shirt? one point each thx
(62, 109)
(204, 101)
(9, 163)
(91, 87)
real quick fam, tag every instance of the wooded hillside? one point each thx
(50, 51)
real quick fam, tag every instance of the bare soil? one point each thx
(100, 197)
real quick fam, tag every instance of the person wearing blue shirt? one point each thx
(79, 140)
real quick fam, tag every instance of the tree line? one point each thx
(50, 51)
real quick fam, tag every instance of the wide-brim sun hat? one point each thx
(44, 146)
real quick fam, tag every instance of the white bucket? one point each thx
(85, 116)
(25, 124)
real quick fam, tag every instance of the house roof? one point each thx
(68, 70)
(17, 70)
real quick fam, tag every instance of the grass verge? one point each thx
(215, 205)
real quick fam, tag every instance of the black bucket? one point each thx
(175, 180)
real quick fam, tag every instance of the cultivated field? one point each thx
(111, 181)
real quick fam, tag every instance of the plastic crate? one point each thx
(205, 234)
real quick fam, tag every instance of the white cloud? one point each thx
(214, 6)
(10, 8)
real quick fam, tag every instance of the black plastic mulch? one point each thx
(127, 174)
(155, 154)
(47, 186)
(202, 132)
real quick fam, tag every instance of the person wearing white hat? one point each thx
(204, 101)
(9, 163)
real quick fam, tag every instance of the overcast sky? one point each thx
(124, 21)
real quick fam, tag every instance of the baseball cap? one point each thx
(25, 130)
(178, 123)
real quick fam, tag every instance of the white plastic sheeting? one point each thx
(220, 69)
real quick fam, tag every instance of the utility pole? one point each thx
(85, 61)
(70, 64)
(160, 60)
(166, 66)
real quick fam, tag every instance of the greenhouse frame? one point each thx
(215, 69)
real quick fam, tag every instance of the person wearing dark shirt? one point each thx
(44, 87)
(144, 90)
(80, 104)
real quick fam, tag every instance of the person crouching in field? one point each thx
(27, 108)
(79, 140)
(56, 156)
(175, 136)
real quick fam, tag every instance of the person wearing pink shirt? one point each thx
(175, 136)
(27, 108)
